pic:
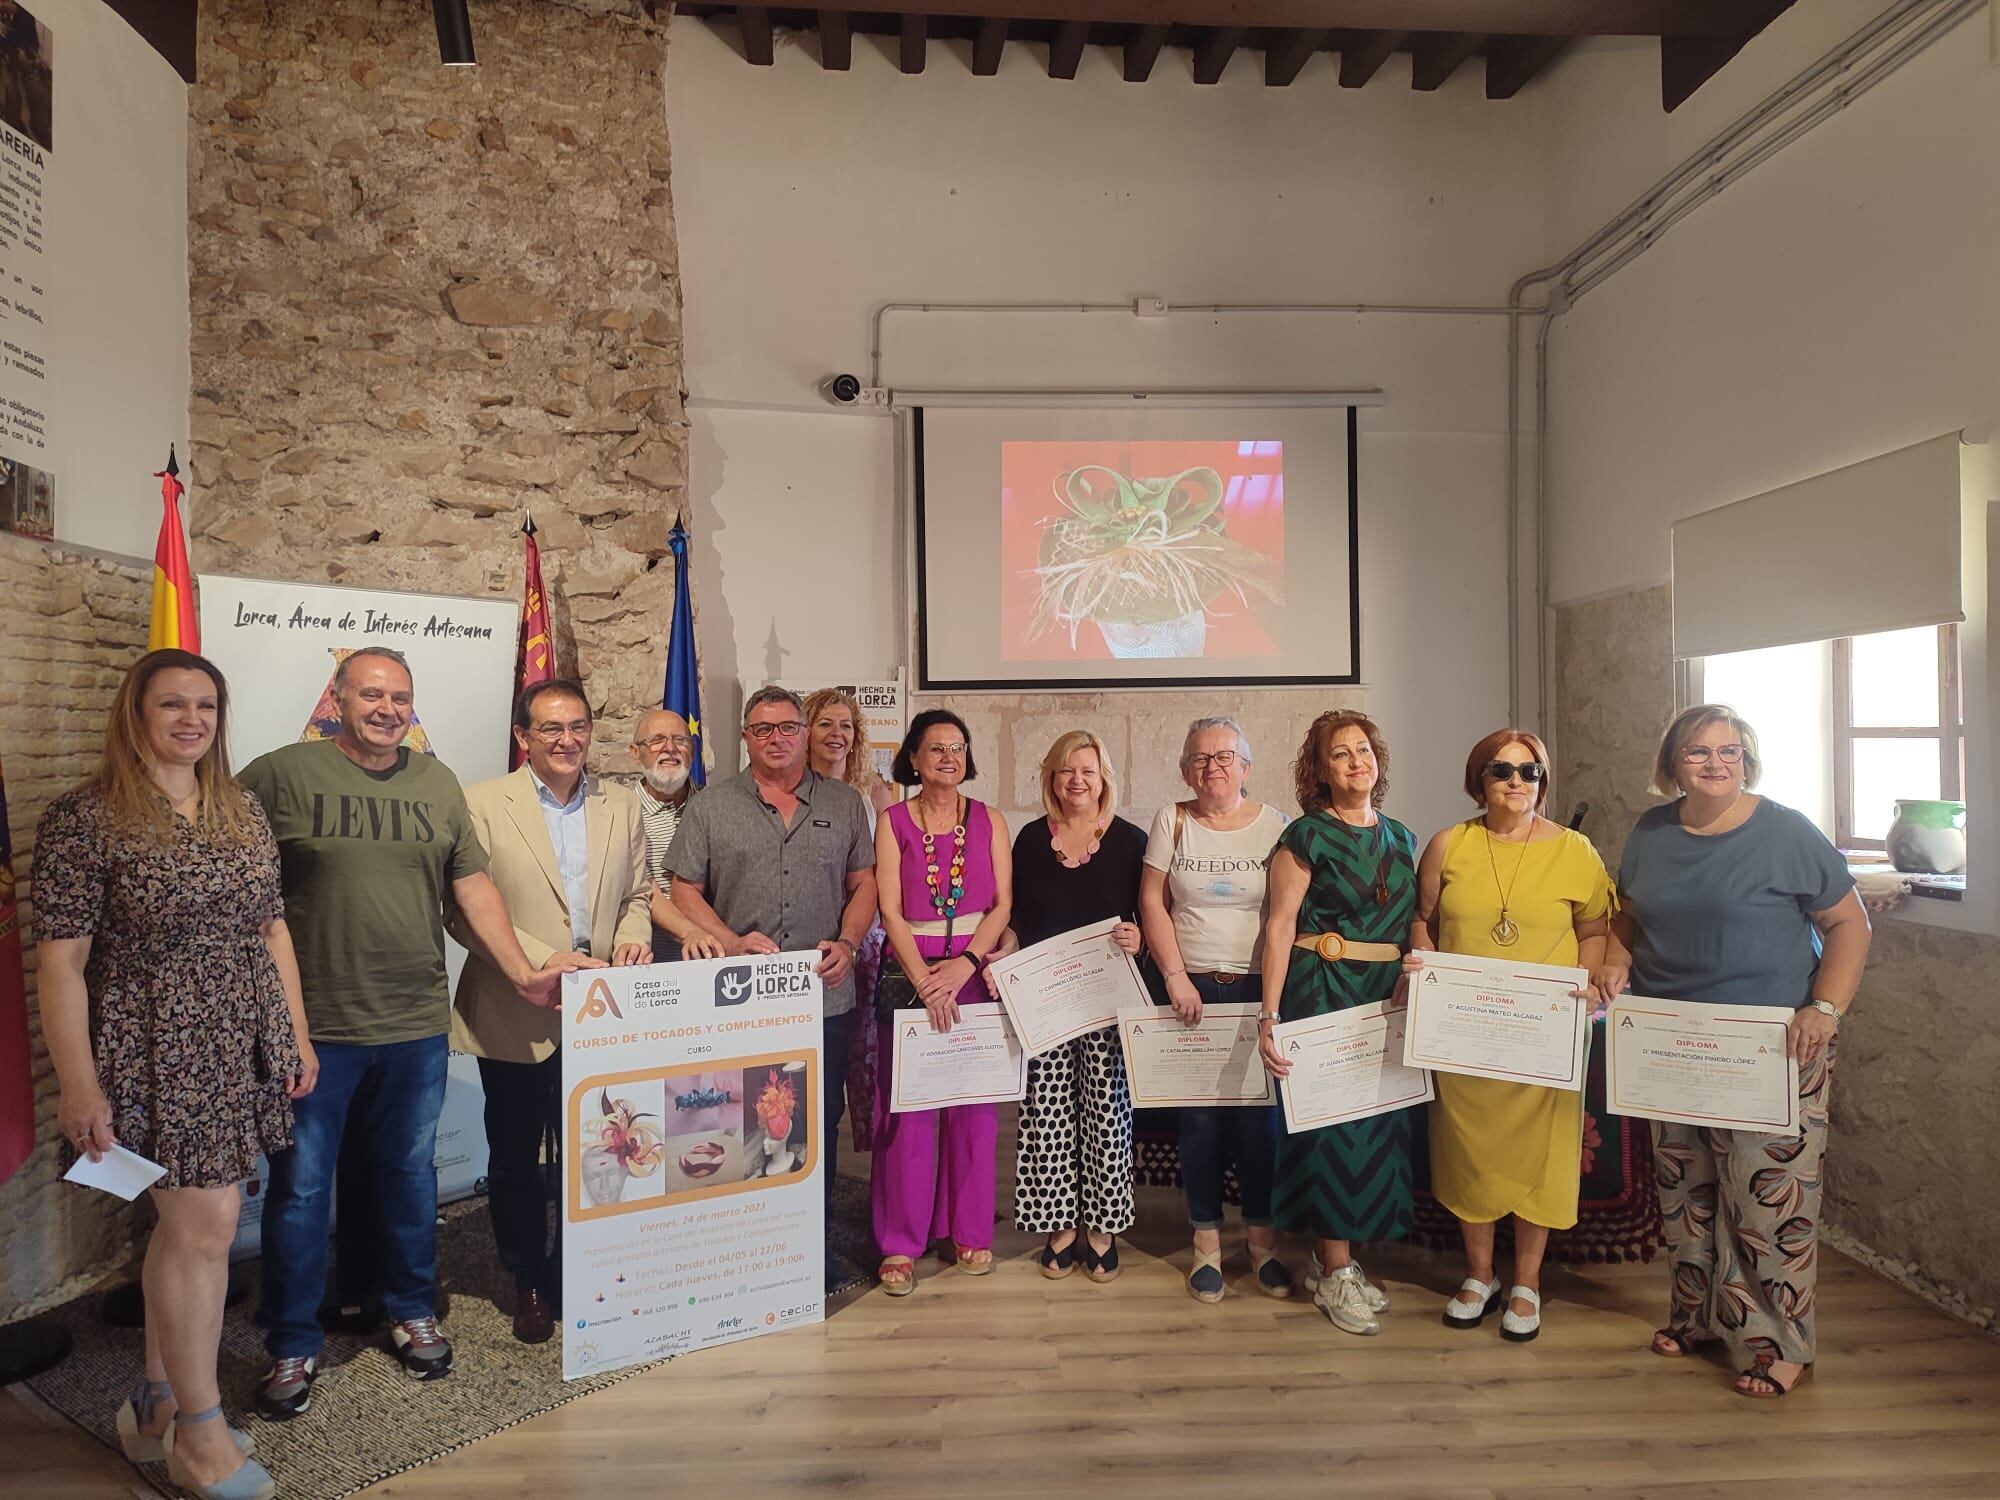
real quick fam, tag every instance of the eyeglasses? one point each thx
(550, 734)
(1530, 771)
(955, 747)
(791, 729)
(661, 742)
(1697, 755)
(1223, 758)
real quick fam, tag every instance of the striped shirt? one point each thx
(662, 820)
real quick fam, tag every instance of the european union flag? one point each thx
(683, 690)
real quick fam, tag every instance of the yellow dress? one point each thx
(1502, 1148)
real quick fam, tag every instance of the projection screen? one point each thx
(1132, 546)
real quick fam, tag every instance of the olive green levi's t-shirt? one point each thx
(367, 860)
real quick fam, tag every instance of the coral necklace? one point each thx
(946, 888)
(1096, 840)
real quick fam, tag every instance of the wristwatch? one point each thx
(1825, 1008)
(1267, 1015)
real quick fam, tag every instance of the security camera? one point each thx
(842, 389)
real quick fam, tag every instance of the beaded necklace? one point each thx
(1096, 840)
(946, 888)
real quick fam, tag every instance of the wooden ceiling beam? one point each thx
(1142, 50)
(1434, 58)
(915, 32)
(1686, 63)
(1066, 48)
(1512, 62)
(1213, 52)
(1734, 19)
(988, 45)
(754, 21)
(836, 42)
(1362, 56)
(1287, 55)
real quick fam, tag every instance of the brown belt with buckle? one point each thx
(1332, 947)
(1219, 976)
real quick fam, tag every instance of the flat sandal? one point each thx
(1760, 1369)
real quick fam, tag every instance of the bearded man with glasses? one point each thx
(663, 750)
(781, 859)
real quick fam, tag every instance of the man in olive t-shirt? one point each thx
(373, 841)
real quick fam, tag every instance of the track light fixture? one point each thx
(454, 33)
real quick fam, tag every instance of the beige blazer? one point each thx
(489, 1017)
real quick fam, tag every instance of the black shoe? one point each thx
(1099, 1268)
(286, 1389)
(422, 1348)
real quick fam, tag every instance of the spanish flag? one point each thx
(173, 582)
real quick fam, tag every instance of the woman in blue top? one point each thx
(1732, 899)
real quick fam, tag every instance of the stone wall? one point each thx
(74, 623)
(426, 300)
(1914, 1104)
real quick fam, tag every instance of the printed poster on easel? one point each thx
(884, 713)
(278, 645)
(692, 1165)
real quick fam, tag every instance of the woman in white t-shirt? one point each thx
(1201, 899)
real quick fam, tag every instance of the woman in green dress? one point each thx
(1343, 886)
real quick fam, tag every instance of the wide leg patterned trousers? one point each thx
(1075, 1152)
(1741, 1212)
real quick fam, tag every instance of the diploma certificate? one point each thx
(1347, 1066)
(1214, 1061)
(1728, 1067)
(1068, 985)
(978, 1061)
(1495, 1018)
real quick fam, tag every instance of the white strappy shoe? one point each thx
(1459, 1314)
(1515, 1328)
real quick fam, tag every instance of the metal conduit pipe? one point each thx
(1872, 53)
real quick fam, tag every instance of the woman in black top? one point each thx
(1077, 866)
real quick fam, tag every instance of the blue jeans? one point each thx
(395, 1093)
(1211, 1137)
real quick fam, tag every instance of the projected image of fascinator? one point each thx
(1145, 560)
(619, 1147)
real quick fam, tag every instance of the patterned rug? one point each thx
(368, 1419)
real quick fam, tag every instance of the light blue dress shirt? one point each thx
(571, 841)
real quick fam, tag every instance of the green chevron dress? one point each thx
(1352, 1181)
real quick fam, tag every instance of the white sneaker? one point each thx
(1378, 1300)
(1344, 1300)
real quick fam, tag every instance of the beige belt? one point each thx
(962, 925)
(1331, 946)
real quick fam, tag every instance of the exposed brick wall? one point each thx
(74, 624)
(427, 299)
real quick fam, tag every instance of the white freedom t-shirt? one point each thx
(1215, 887)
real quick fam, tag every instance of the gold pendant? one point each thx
(1505, 933)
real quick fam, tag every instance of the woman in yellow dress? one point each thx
(1508, 884)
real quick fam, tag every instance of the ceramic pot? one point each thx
(1928, 838)
(1186, 636)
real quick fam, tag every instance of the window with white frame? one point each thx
(1849, 727)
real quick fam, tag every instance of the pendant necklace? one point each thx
(1382, 855)
(1504, 931)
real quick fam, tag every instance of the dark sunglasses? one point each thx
(1506, 770)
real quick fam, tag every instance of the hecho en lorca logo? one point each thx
(775, 979)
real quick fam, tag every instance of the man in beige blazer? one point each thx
(568, 851)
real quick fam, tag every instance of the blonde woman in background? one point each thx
(837, 748)
(1076, 865)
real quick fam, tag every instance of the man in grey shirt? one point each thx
(782, 859)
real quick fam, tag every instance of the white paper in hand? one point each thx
(122, 1173)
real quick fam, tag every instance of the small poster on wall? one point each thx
(27, 148)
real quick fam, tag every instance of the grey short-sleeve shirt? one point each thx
(760, 876)
(1725, 918)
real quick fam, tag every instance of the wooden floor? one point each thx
(1012, 1385)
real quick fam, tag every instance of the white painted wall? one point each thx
(805, 198)
(116, 265)
(1836, 304)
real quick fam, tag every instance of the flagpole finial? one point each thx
(528, 523)
(173, 465)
